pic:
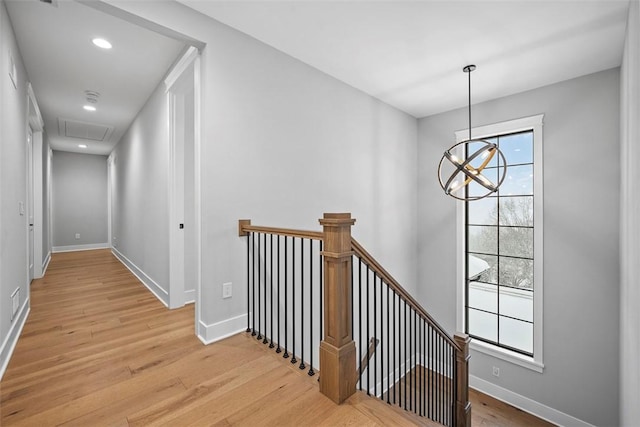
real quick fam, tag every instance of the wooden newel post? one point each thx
(463, 406)
(337, 349)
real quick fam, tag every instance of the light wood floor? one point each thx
(99, 349)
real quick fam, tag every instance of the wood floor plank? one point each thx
(98, 349)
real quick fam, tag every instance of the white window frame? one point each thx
(534, 363)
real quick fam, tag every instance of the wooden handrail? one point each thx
(366, 357)
(244, 226)
(393, 284)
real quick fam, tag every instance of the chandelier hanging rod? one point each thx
(468, 69)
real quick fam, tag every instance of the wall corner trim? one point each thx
(45, 264)
(147, 281)
(209, 334)
(526, 404)
(9, 344)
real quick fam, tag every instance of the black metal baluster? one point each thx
(271, 345)
(293, 299)
(264, 284)
(406, 364)
(452, 394)
(278, 349)
(286, 298)
(418, 366)
(380, 350)
(411, 353)
(421, 351)
(430, 395)
(400, 336)
(352, 302)
(395, 344)
(311, 372)
(416, 344)
(248, 284)
(320, 288)
(414, 353)
(449, 379)
(434, 392)
(446, 383)
(439, 378)
(259, 337)
(436, 375)
(424, 365)
(442, 377)
(368, 335)
(388, 349)
(254, 262)
(375, 336)
(302, 366)
(360, 317)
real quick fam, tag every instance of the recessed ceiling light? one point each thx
(102, 43)
(82, 145)
(89, 108)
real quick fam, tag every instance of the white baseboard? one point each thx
(155, 289)
(190, 296)
(526, 404)
(211, 333)
(9, 344)
(45, 264)
(74, 248)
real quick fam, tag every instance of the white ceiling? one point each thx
(410, 54)
(62, 62)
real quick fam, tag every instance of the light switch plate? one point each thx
(226, 290)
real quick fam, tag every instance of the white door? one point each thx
(30, 241)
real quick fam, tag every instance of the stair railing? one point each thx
(324, 301)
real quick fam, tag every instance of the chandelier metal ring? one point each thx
(469, 172)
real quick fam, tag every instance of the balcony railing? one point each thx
(323, 302)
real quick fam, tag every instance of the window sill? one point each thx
(507, 355)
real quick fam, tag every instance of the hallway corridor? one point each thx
(99, 349)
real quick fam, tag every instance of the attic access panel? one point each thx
(84, 130)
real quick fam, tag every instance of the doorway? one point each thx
(184, 234)
(30, 239)
(36, 210)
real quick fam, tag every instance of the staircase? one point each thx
(323, 303)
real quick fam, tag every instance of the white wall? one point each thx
(629, 228)
(79, 200)
(13, 226)
(581, 252)
(140, 198)
(281, 144)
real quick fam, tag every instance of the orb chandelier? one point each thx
(464, 163)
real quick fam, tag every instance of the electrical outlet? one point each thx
(226, 290)
(496, 371)
(15, 302)
(77, 236)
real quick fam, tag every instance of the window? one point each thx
(500, 303)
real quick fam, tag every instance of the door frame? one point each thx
(176, 181)
(34, 165)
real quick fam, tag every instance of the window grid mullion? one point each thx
(498, 256)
